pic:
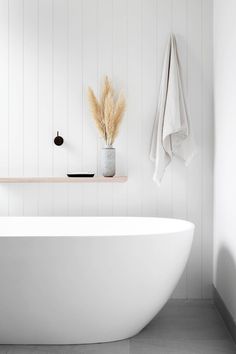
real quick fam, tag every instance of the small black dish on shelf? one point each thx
(80, 174)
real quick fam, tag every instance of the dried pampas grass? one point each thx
(108, 112)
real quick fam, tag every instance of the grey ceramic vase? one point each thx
(108, 161)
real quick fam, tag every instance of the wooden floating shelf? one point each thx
(97, 179)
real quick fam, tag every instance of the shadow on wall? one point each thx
(225, 278)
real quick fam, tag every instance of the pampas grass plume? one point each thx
(108, 112)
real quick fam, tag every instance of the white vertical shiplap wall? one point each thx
(51, 51)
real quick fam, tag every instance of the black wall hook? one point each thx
(58, 140)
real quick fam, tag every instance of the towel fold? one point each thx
(172, 135)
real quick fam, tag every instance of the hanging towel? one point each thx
(172, 135)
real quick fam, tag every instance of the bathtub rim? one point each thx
(187, 227)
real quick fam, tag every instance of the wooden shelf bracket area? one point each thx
(96, 179)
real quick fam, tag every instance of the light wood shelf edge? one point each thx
(96, 179)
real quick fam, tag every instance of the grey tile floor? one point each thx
(191, 327)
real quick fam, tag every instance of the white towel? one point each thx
(172, 135)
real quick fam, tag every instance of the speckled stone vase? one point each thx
(108, 161)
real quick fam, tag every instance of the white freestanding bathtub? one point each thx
(72, 280)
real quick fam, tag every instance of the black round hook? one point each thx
(58, 140)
